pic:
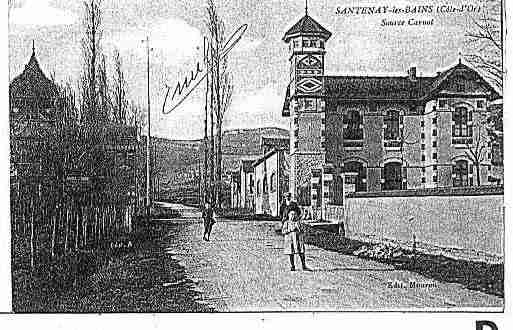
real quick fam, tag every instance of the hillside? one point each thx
(177, 160)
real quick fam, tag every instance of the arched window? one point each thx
(392, 176)
(356, 174)
(460, 174)
(251, 184)
(392, 125)
(273, 182)
(264, 185)
(461, 118)
(353, 126)
(258, 188)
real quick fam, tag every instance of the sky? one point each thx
(259, 62)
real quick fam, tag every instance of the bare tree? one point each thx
(91, 51)
(485, 39)
(221, 85)
(104, 111)
(476, 152)
(119, 91)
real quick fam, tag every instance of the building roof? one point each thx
(366, 87)
(307, 26)
(267, 156)
(404, 88)
(32, 82)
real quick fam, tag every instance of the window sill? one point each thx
(392, 148)
(353, 148)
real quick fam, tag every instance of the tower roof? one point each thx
(32, 82)
(307, 26)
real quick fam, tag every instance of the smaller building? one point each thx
(271, 180)
(242, 182)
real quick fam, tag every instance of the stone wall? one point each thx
(472, 224)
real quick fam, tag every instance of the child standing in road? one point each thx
(293, 241)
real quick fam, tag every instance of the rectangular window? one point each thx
(480, 104)
(423, 158)
(423, 180)
(422, 146)
(435, 178)
(434, 144)
(309, 104)
(434, 132)
(422, 123)
(435, 167)
(442, 103)
(422, 135)
(423, 170)
(434, 121)
(471, 181)
(435, 155)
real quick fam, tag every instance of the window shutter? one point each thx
(470, 115)
(404, 178)
(453, 175)
(382, 178)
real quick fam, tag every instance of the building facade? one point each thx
(271, 180)
(34, 107)
(365, 133)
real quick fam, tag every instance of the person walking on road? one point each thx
(293, 241)
(208, 216)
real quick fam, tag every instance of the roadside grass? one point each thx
(137, 279)
(479, 276)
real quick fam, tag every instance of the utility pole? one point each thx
(206, 47)
(148, 137)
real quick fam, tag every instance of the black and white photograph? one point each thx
(228, 156)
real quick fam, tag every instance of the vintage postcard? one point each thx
(206, 156)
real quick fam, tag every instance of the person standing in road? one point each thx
(208, 220)
(293, 241)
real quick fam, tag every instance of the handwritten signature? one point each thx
(183, 89)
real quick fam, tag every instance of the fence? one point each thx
(48, 221)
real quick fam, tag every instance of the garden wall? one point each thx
(468, 221)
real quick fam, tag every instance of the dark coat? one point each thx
(285, 209)
(208, 216)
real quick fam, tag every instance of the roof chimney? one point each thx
(412, 73)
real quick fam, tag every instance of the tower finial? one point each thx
(306, 7)
(459, 57)
(33, 47)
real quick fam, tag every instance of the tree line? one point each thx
(85, 193)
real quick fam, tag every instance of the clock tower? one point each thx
(305, 103)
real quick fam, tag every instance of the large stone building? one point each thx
(383, 133)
